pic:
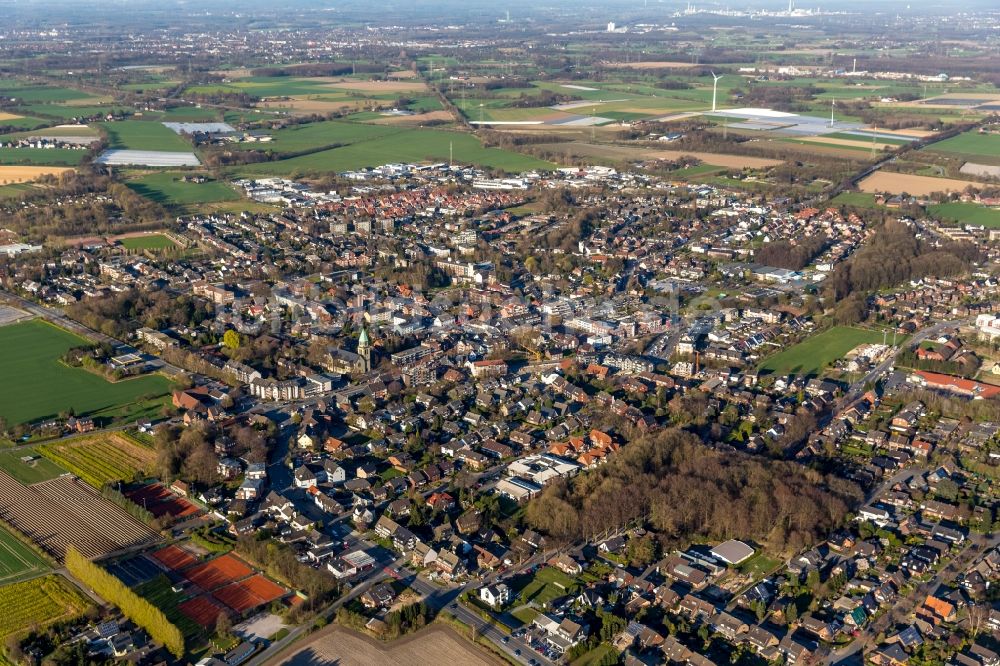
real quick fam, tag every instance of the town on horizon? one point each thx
(621, 333)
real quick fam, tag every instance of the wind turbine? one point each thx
(833, 103)
(715, 88)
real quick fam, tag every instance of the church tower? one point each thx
(365, 351)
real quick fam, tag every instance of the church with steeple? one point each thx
(365, 351)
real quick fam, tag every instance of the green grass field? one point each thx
(811, 356)
(46, 94)
(543, 586)
(411, 145)
(314, 135)
(22, 122)
(17, 561)
(150, 242)
(41, 156)
(36, 470)
(38, 603)
(966, 213)
(971, 144)
(857, 199)
(40, 386)
(144, 135)
(168, 189)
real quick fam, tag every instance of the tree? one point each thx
(223, 625)
(137, 609)
(231, 339)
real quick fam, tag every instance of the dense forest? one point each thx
(791, 255)
(691, 492)
(894, 256)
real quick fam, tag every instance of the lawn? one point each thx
(811, 357)
(101, 459)
(168, 189)
(144, 135)
(759, 566)
(28, 472)
(525, 614)
(546, 584)
(966, 213)
(17, 561)
(41, 156)
(38, 603)
(412, 145)
(147, 242)
(597, 655)
(38, 385)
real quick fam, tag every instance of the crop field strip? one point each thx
(38, 603)
(101, 459)
(17, 561)
(57, 513)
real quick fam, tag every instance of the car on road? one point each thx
(517, 652)
(505, 640)
(453, 605)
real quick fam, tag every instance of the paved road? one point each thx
(903, 608)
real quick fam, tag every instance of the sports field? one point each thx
(966, 213)
(168, 189)
(38, 603)
(40, 386)
(812, 356)
(147, 242)
(143, 135)
(409, 145)
(17, 561)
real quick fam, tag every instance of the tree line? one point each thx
(137, 609)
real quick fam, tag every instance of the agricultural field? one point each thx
(983, 147)
(812, 356)
(29, 466)
(317, 135)
(31, 351)
(905, 183)
(431, 646)
(966, 213)
(101, 459)
(622, 153)
(17, 561)
(65, 511)
(143, 135)
(31, 94)
(38, 603)
(169, 189)
(19, 122)
(34, 156)
(409, 145)
(13, 175)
